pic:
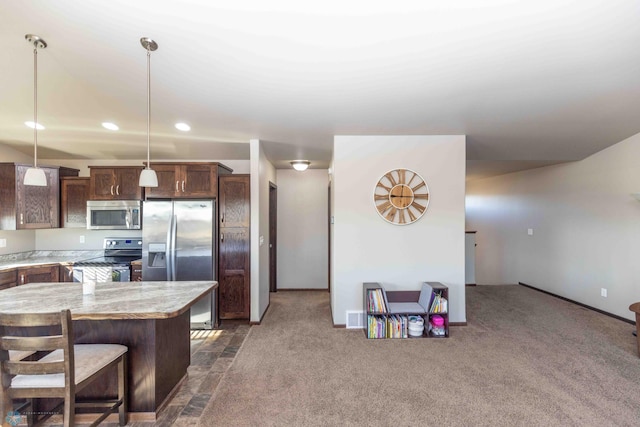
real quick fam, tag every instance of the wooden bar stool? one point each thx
(64, 370)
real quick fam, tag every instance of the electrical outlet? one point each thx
(530, 231)
(81, 239)
(3, 243)
(603, 292)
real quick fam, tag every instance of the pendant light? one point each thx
(148, 177)
(35, 176)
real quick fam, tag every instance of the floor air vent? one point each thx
(355, 320)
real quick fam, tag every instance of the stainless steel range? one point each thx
(114, 265)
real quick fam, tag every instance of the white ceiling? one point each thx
(529, 83)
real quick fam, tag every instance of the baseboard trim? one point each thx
(457, 323)
(339, 326)
(615, 316)
(252, 323)
(470, 284)
(301, 289)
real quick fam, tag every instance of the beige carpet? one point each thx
(525, 359)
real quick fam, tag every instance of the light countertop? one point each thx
(112, 300)
(35, 258)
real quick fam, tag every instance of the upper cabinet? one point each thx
(25, 207)
(235, 201)
(186, 180)
(74, 193)
(115, 183)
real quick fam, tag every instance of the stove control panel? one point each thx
(122, 243)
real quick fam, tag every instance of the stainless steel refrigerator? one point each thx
(178, 243)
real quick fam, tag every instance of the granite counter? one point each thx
(38, 258)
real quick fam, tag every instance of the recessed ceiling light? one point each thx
(32, 125)
(183, 127)
(110, 126)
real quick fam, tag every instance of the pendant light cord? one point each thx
(148, 108)
(35, 106)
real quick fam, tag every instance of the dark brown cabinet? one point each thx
(46, 274)
(186, 180)
(115, 183)
(74, 193)
(136, 271)
(234, 247)
(28, 207)
(65, 273)
(8, 279)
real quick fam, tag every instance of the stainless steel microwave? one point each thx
(114, 214)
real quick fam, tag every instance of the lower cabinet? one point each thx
(8, 279)
(65, 273)
(47, 274)
(136, 271)
(234, 268)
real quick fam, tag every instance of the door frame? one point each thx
(273, 237)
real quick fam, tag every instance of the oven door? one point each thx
(117, 273)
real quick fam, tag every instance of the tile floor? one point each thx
(212, 352)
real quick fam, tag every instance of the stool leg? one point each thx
(122, 390)
(638, 329)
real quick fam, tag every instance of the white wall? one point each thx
(586, 228)
(262, 172)
(366, 248)
(302, 229)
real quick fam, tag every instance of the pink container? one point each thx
(437, 320)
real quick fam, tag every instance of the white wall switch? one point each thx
(3, 243)
(530, 231)
(81, 239)
(603, 292)
(261, 240)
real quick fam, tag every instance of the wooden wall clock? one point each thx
(401, 196)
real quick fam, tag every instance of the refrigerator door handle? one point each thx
(174, 233)
(168, 255)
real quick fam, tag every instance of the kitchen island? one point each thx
(150, 318)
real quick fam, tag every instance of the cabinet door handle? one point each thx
(222, 237)
(21, 218)
(22, 278)
(112, 190)
(183, 186)
(118, 189)
(177, 186)
(222, 217)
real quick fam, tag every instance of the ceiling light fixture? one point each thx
(110, 126)
(148, 177)
(300, 165)
(35, 176)
(183, 127)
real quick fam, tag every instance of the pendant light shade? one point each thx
(148, 177)
(35, 176)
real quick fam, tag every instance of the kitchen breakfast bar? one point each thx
(150, 318)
